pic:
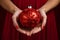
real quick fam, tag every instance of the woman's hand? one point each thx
(35, 30)
(14, 19)
(44, 16)
(28, 33)
(40, 27)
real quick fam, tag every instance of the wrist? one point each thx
(43, 12)
(16, 13)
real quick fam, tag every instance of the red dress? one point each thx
(49, 32)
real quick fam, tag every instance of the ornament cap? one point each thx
(29, 6)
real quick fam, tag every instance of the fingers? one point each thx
(15, 22)
(36, 30)
(29, 34)
(43, 14)
(21, 31)
(14, 18)
(44, 21)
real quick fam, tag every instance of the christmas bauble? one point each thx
(29, 18)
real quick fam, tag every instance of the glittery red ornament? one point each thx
(29, 18)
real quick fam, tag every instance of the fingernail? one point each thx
(42, 27)
(16, 27)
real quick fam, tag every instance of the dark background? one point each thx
(57, 15)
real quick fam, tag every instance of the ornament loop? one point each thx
(29, 6)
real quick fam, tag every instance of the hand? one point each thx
(14, 19)
(44, 16)
(36, 29)
(28, 33)
(39, 28)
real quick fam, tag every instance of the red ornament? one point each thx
(29, 18)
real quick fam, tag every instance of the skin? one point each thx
(11, 7)
(59, 0)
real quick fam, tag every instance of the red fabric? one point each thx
(49, 32)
